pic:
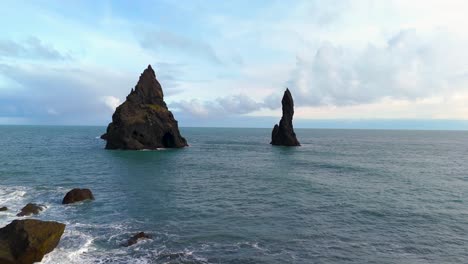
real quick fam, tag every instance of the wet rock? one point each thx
(104, 136)
(31, 209)
(27, 241)
(4, 208)
(134, 239)
(143, 121)
(283, 134)
(77, 195)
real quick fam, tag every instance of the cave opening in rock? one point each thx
(168, 140)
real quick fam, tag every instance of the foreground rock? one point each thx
(77, 195)
(4, 208)
(143, 121)
(31, 209)
(27, 241)
(134, 239)
(283, 134)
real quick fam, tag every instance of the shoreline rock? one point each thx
(27, 241)
(283, 134)
(134, 239)
(143, 121)
(31, 209)
(77, 195)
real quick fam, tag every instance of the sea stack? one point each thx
(283, 134)
(143, 121)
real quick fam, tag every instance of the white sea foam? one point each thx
(157, 149)
(12, 194)
(79, 244)
(71, 249)
(250, 244)
(13, 197)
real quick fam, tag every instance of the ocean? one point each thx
(344, 196)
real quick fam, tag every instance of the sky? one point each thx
(358, 64)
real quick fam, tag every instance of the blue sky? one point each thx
(397, 64)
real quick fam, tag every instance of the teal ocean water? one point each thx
(345, 196)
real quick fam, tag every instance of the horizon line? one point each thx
(240, 127)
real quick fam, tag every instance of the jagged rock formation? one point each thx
(134, 239)
(143, 121)
(77, 195)
(27, 241)
(283, 134)
(31, 209)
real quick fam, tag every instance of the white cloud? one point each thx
(437, 107)
(221, 106)
(64, 92)
(52, 111)
(31, 48)
(340, 58)
(193, 107)
(111, 102)
(408, 67)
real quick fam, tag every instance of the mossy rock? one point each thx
(143, 121)
(27, 241)
(156, 108)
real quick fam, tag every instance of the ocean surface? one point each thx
(344, 196)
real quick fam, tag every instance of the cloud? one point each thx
(52, 111)
(31, 48)
(222, 106)
(272, 101)
(238, 104)
(407, 67)
(46, 94)
(170, 75)
(65, 94)
(338, 60)
(111, 101)
(157, 41)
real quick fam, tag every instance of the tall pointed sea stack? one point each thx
(283, 135)
(143, 121)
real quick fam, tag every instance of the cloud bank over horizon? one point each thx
(344, 60)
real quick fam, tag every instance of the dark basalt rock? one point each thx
(143, 121)
(283, 134)
(77, 195)
(27, 241)
(31, 209)
(134, 239)
(4, 208)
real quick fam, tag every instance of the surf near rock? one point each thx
(134, 239)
